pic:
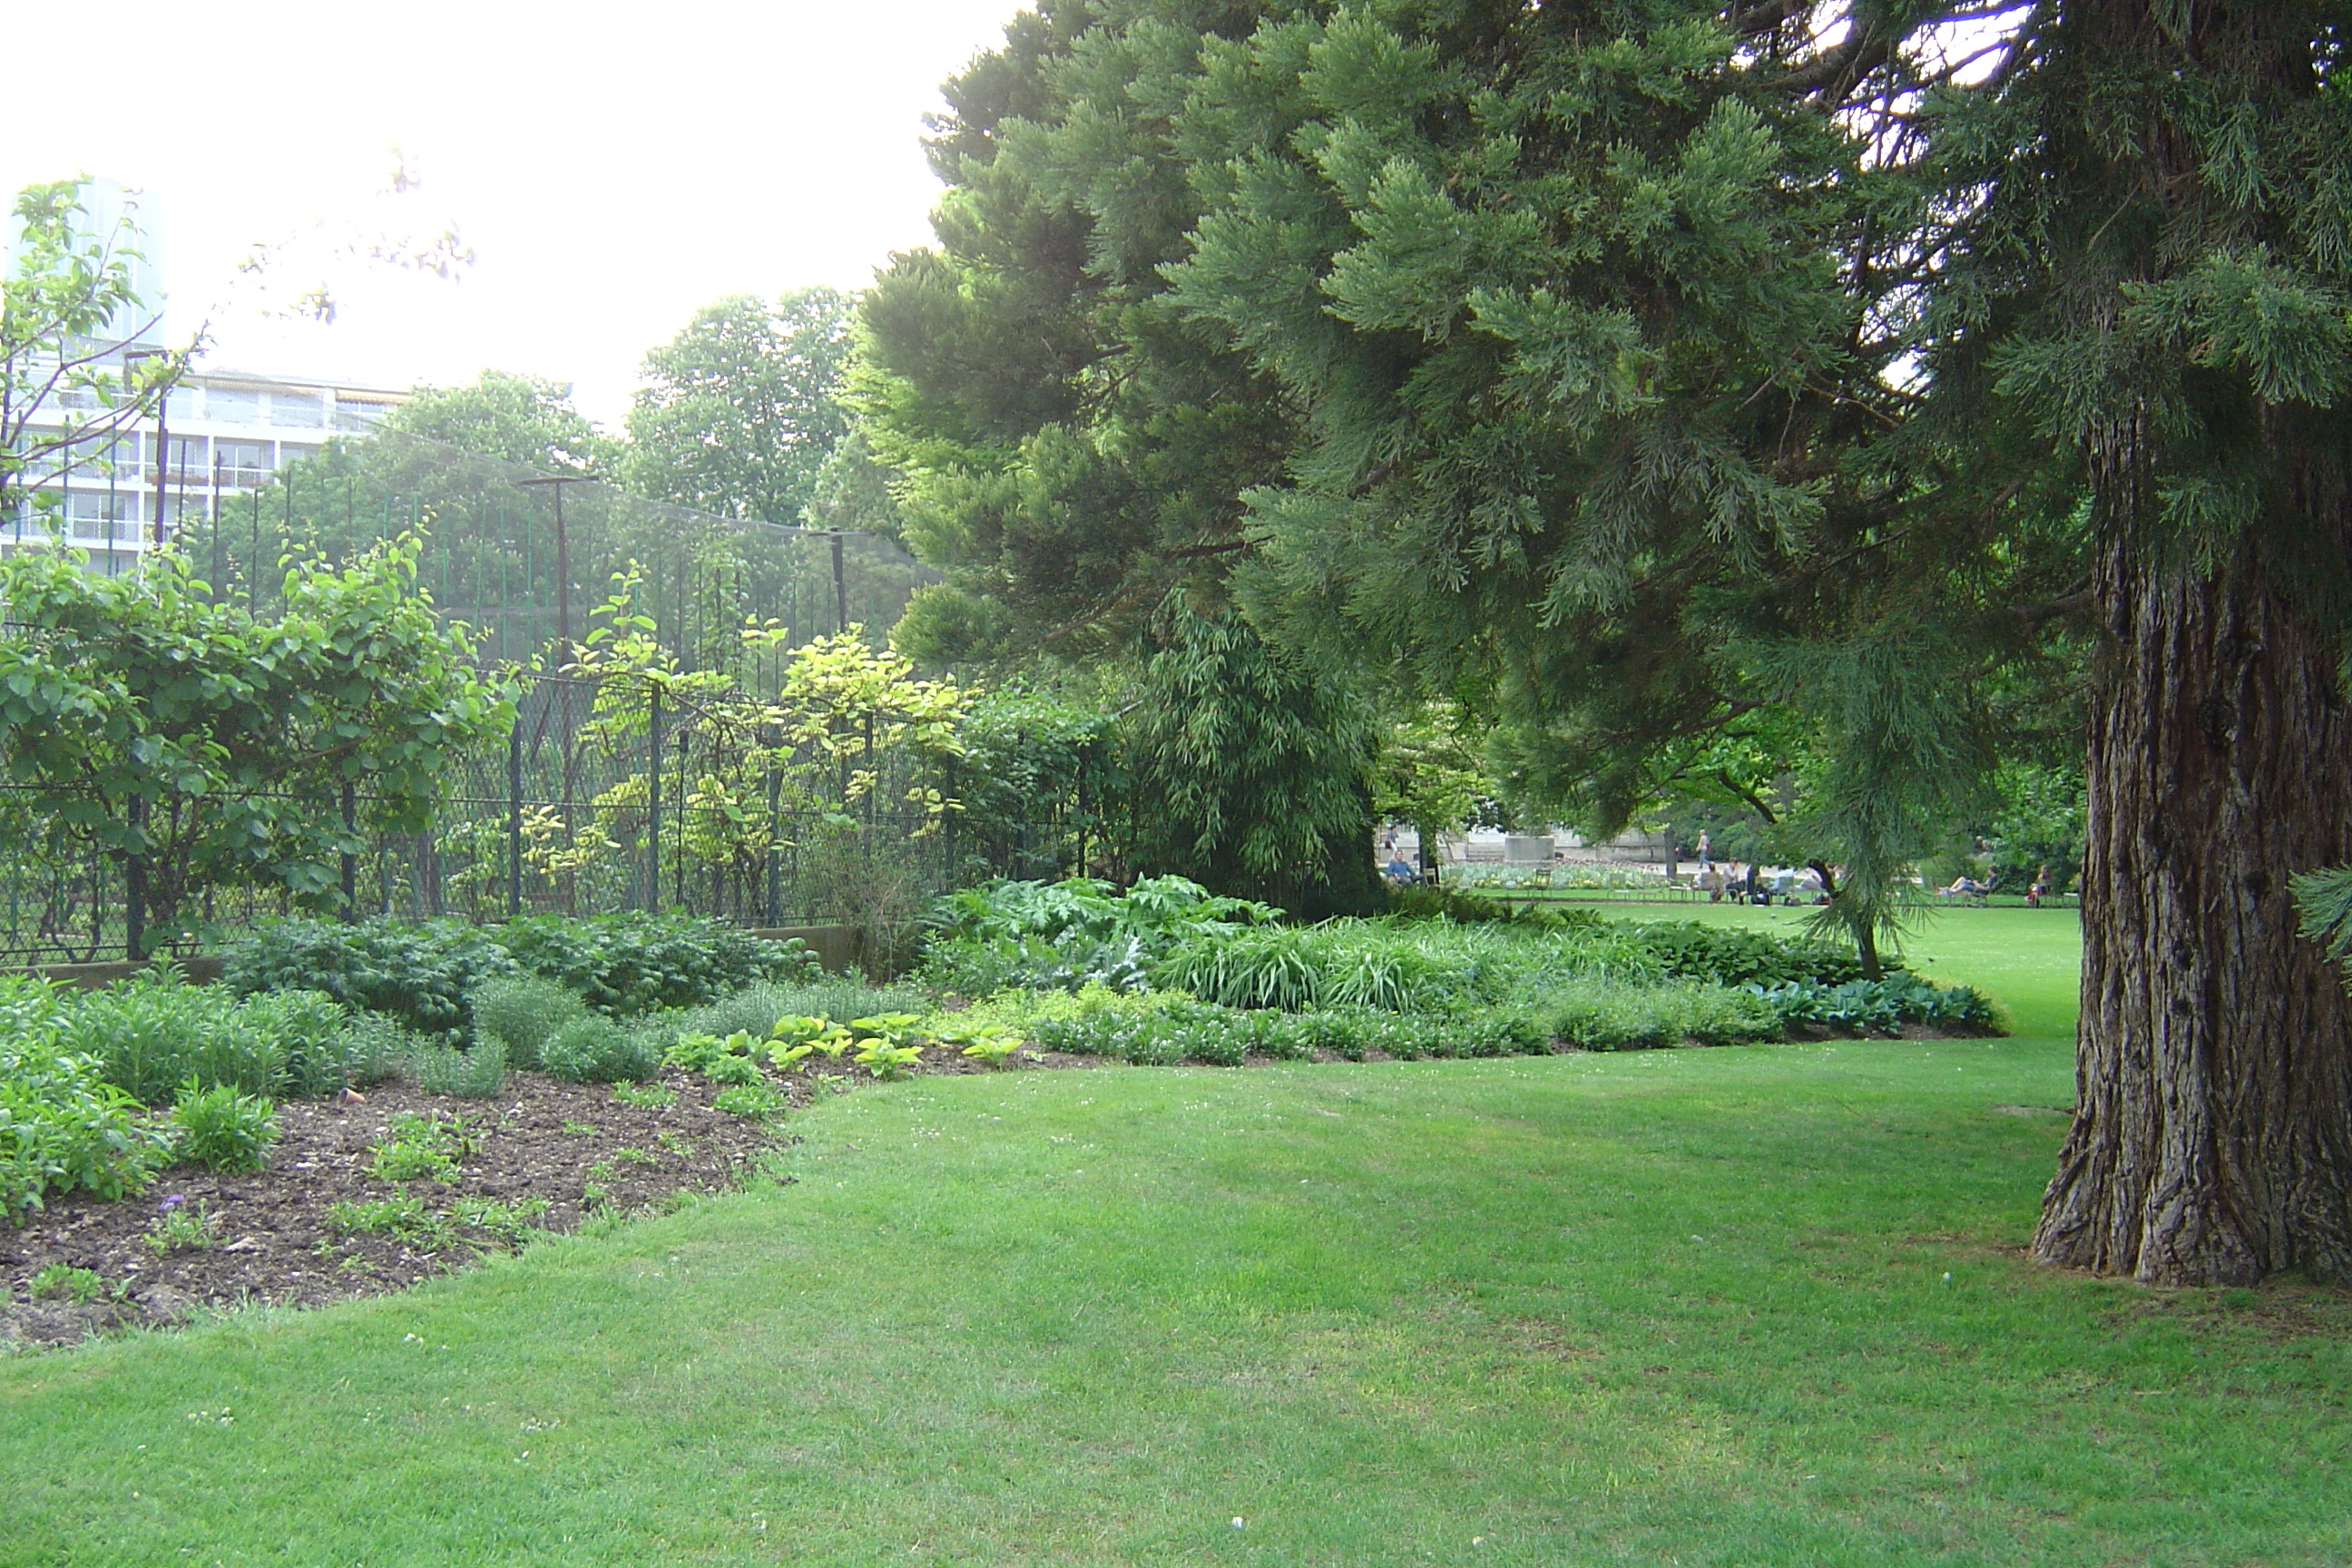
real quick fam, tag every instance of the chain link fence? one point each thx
(605, 796)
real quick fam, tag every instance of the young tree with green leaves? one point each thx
(65, 391)
(1429, 774)
(197, 746)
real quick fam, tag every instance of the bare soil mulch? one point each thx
(573, 1145)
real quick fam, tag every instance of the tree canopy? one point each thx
(1929, 375)
(199, 746)
(65, 390)
(738, 414)
(516, 418)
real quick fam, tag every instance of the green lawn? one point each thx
(2030, 959)
(1738, 1306)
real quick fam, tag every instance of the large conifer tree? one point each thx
(2164, 275)
(1642, 363)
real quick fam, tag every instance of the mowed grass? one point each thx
(2031, 960)
(1737, 1306)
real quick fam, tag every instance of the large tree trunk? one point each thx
(2212, 1135)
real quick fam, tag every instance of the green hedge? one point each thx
(423, 972)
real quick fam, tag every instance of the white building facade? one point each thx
(219, 433)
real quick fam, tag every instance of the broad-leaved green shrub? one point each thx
(1070, 934)
(625, 964)
(63, 1128)
(418, 972)
(1730, 955)
(1880, 1006)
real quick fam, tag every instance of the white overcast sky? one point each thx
(612, 166)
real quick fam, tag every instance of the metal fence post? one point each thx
(948, 808)
(653, 800)
(514, 818)
(682, 794)
(135, 893)
(351, 860)
(775, 836)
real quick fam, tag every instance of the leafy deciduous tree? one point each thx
(739, 413)
(63, 395)
(515, 419)
(197, 746)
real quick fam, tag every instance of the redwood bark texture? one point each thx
(2212, 1135)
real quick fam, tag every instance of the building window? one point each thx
(295, 452)
(301, 410)
(189, 463)
(233, 405)
(102, 458)
(102, 519)
(245, 464)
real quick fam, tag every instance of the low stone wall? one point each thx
(836, 947)
(204, 969)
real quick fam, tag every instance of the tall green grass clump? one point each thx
(1397, 966)
(152, 1033)
(475, 1074)
(1621, 1017)
(594, 1049)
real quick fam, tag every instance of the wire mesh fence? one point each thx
(524, 556)
(606, 796)
(603, 796)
